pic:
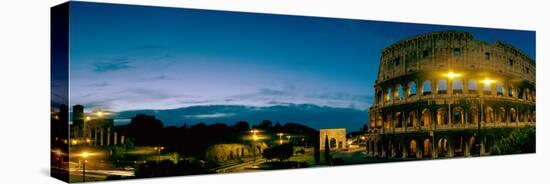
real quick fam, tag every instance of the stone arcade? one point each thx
(445, 94)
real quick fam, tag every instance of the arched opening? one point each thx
(399, 92)
(513, 115)
(412, 149)
(372, 121)
(521, 92)
(489, 115)
(474, 149)
(457, 86)
(371, 146)
(442, 87)
(474, 116)
(412, 88)
(398, 119)
(500, 91)
(501, 115)
(441, 116)
(426, 118)
(389, 95)
(387, 122)
(398, 149)
(458, 115)
(442, 147)
(458, 146)
(378, 147)
(510, 91)
(379, 97)
(411, 120)
(487, 88)
(427, 87)
(472, 86)
(427, 148)
(332, 143)
(379, 121)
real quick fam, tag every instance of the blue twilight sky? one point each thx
(137, 57)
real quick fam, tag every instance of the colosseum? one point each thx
(445, 94)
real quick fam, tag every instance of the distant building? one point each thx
(78, 121)
(97, 131)
(336, 138)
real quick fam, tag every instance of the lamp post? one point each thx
(280, 137)
(254, 139)
(84, 156)
(158, 149)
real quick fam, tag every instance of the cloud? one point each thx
(101, 84)
(111, 64)
(194, 101)
(272, 92)
(214, 115)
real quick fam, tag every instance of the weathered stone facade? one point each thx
(444, 93)
(336, 138)
(97, 131)
(233, 151)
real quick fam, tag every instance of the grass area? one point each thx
(89, 178)
(349, 157)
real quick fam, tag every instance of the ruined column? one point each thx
(115, 138)
(95, 136)
(101, 134)
(108, 136)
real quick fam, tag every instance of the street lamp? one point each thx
(84, 156)
(158, 149)
(280, 137)
(254, 139)
(100, 113)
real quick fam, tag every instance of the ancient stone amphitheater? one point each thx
(445, 94)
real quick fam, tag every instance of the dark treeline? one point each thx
(145, 130)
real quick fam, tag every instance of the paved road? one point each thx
(241, 167)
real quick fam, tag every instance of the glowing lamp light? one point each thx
(85, 154)
(452, 75)
(100, 113)
(487, 81)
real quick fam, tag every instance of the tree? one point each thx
(282, 152)
(145, 129)
(521, 140)
(327, 151)
(266, 124)
(242, 126)
(365, 128)
(317, 152)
